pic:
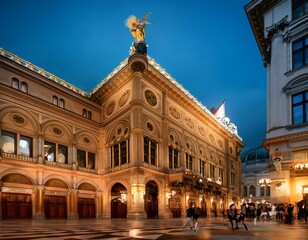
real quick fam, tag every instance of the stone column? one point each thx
(73, 204)
(38, 203)
(99, 205)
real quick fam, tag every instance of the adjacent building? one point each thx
(281, 31)
(139, 145)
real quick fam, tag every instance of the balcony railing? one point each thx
(18, 157)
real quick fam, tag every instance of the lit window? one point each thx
(8, 142)
(55, 152)
(300, 108)
(212, 171)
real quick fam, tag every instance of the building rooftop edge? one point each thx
(230, 127)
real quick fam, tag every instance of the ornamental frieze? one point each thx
(125, 96)
(174, 112)
(110, 108)
(189, 122)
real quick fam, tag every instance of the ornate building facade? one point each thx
(256, 180)
(281, 31)
(137, 146)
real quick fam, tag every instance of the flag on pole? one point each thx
(220, 112)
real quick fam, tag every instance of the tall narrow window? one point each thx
(300, 52)
(300, 108)
(212, 171)
(150, 148)
(252, 191)
(221, 175)
(189, 161)
(268, 191)
(232, 178)
(120, 153)
(261, 191)
(202, 168)
(173, 158)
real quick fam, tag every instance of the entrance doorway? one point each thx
(119, 201)
(150, 199)
(16, 206)
(86, 207)
(55, 207)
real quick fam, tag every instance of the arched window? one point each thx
(61, 103)
(84, 113)
(24, 87)
(55, 100)
(90, 115)
(15, 83)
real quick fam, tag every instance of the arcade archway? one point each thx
(151, 200)
(118, 201)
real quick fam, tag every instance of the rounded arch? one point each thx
(54, 129)
(190, 146)
(121, 181)
(298, 84)
(151, 127)
(118, 194)
(119, 131)
(56, 181)
(18, 172)
(20, 117)
(203, 152)
(17, 178)
(86, 139)
(82, 185)
(151, 199)
(175, 139)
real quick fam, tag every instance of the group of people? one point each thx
(192, 215)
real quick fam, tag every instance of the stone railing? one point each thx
(19, 157)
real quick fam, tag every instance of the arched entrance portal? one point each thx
(150, 199)
(118, 201)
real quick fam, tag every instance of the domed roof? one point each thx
(255, 155)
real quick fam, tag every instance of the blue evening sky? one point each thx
(207, 46)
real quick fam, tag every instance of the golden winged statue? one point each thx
(137, 27)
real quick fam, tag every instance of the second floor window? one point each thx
(212, 171)
(252, 191)
(300, 52)
(173, 158)
(202, 168)
(299, 8)
(189, 161)
(55, 152)
(245, 191)
(85, 159)
(119, 153)
(16, 144)
(300, 108)
(150, 147)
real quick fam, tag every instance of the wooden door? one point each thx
(86, 208)
(16, 206)
(55, 207)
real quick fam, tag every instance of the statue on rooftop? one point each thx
(137, 29)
